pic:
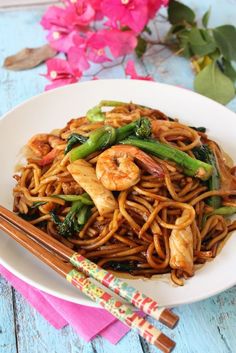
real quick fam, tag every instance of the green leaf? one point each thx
(205, 17)
(201, 42)
(141, 47)
(176, 28)
(179, 13)
(174, 31)
(225, 37)
(229, 70)
(183, 38)
(215, 55)
(211, 82)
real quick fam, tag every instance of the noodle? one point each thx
(140, 234)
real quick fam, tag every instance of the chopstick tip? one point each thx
(168, 318)
(164, 343)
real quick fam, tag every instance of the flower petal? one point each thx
(154, 6)
(132, 13)
(77, 59)
(120, 42)
(61, 41)
(130, 70)
(59, 83)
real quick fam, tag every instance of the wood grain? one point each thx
(7, 320)
(35, 335)
(208, 326)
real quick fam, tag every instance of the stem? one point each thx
(103, 68)
(191, 166)
(108, 136)
(124, 131)
(224, 211)
(84, 198)
(97, 141)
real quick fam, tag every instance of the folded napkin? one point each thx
(60, 313)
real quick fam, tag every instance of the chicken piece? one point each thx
(85, 175)
(181, 247)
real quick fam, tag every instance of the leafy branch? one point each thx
(212, 51)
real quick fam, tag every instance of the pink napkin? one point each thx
(61, 313)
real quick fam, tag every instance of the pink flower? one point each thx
(120, 43)
(131, 13)
(154, 6)
(60, 73)
(131, 71)
(78, 13)
(96, 48)
(96, 5)
(61, 40)
(77, 59)
(54, 16)
(63, 23)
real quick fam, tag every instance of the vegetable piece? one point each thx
(191, 166)
(98, 140)
(70, 225)
(84, 215)
(200, 128)
(84, 174)
(73, 140)
(205, 154)
(223, 211)
(96, 114)
(107, 136)
(124, 266)
(85, 198)
(37, 204)
(141, 128)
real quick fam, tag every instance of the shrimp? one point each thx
(116, 168)
(181, 247)
(84, 174)
(42, 144)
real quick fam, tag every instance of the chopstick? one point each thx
(121, 311)
(132, 295)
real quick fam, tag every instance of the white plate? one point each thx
(52, 110)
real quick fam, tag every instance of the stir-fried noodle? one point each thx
(143, 212)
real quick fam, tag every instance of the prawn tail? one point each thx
(48, 159)
(150, 164)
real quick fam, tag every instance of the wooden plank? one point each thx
(7, 324)
(209, 324)
(19, 86)
(6, 4)
(36, 335)
(128, 344)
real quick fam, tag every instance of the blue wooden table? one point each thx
(209, 325)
